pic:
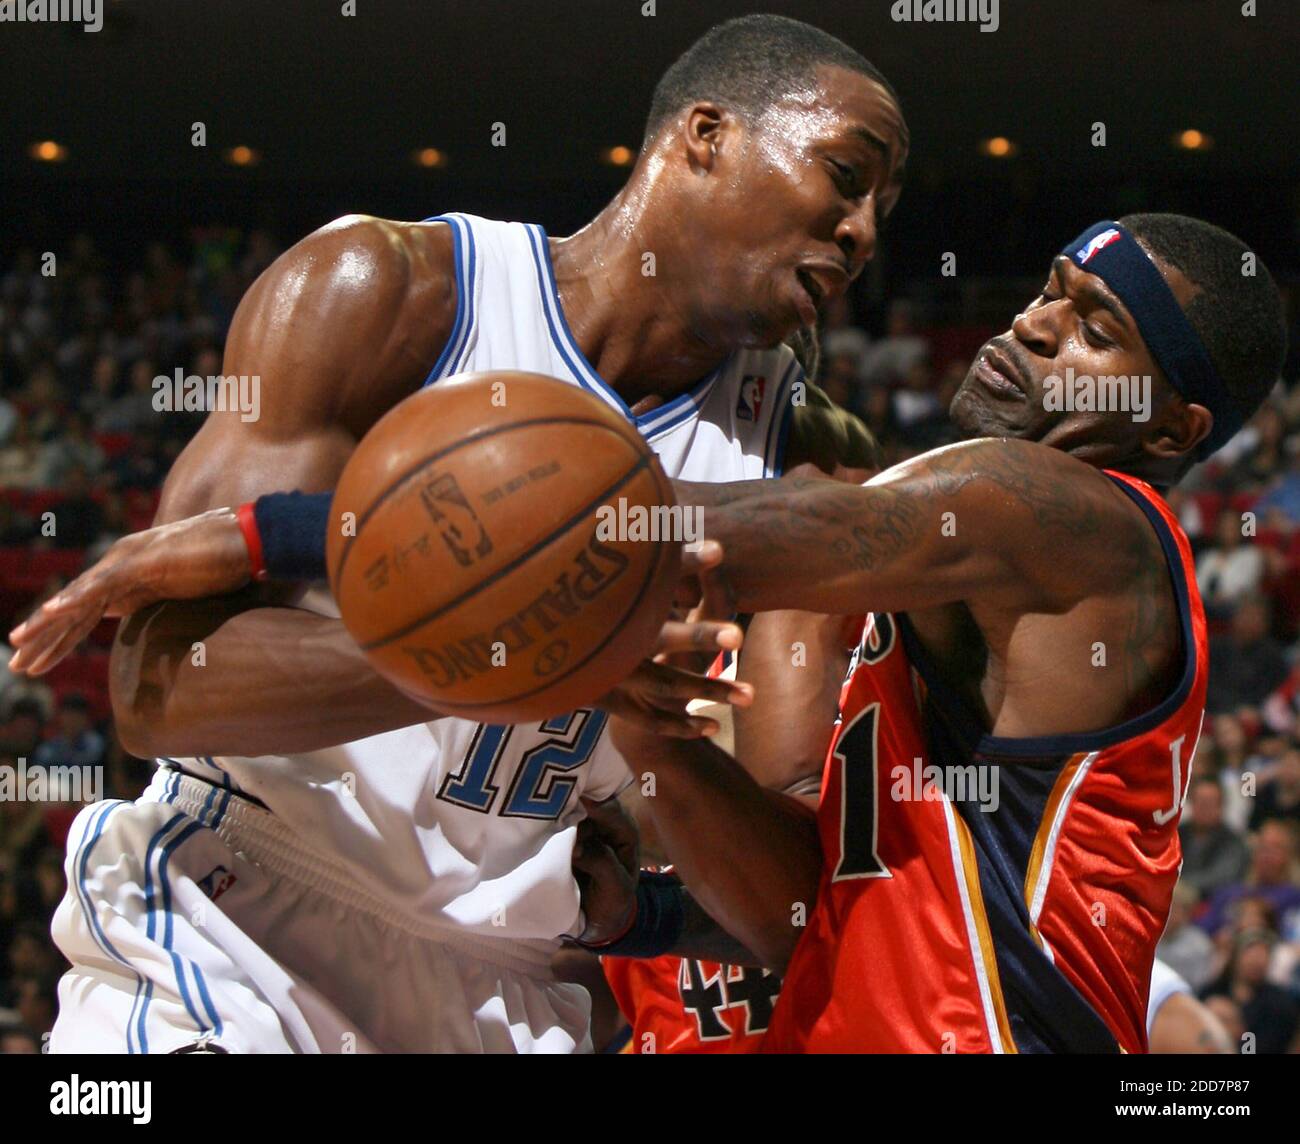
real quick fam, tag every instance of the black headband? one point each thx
(1111, 252)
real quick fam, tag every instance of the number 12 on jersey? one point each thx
(541, 783)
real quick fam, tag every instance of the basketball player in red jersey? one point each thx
(1037, 633)
(997, 844)
(677, 1004)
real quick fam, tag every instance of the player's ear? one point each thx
(1182, 426)
(704, 128)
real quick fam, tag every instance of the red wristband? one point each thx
(252, 538)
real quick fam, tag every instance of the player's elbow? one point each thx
(140, 676)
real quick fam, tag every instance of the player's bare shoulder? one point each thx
(1047, 509)
(353, 315)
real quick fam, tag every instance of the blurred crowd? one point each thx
(83, 451)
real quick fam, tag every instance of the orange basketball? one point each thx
(471, 551)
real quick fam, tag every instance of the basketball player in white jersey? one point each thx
(318, 866)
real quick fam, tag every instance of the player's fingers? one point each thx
(674, 725)
(701, 555)
(698, 636)
(673, 683)
(58, 643)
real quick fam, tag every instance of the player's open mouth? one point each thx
(808, 297)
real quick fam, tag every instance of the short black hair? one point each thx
(1238, 316)
(749, 63)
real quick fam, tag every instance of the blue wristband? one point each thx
(660, 916)
(292, 527)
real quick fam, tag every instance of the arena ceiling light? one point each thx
(1193, 140)
(618, 156)
(48, 151)
(242, 156)
(999, 147)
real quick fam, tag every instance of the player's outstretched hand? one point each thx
(202, 555)
(654, 697)
(606, 865)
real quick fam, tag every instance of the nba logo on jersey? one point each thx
(750, 399)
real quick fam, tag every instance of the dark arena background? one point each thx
(152, 168)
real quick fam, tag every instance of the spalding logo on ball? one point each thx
(471, 570)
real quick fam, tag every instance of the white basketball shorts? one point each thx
(195, 919)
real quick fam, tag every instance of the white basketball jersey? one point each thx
(471, 826)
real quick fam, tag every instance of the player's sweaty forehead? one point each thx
(846, 110)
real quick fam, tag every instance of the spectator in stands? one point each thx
(16, 1038)
(134, 409)
(143, 466)
(1183, 505)
(1283, 494)
(1225, 753)
(74, 448)
(1246, 663)
(1214, 856)
(1279, 796)
(31, 953)
(888, 361)
(96, 400)
(1230, 570)
(1281, 710)
(16, 527)
(36, 999)
(17, 688)
(21, 735)
(8, 416)
(75, 742)
(50, 882)
(1268, 1013)
(78, 515)
(44, 400)
(915, 401)
(839, 378)
(25, 461)
(1274, 877)
(841, 335)
(1265, 459)
(1185, 947)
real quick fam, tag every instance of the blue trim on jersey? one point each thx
(774, 458)
(80, 864)
(650, 425)
(463, 251)
(976, 739)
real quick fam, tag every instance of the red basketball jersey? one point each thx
(990, 894)
(677, 1005)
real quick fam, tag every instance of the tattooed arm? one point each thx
(982, 520)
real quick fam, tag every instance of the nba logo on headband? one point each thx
(1096, 243)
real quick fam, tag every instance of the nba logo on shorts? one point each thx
(750, 400)
(217, 882)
